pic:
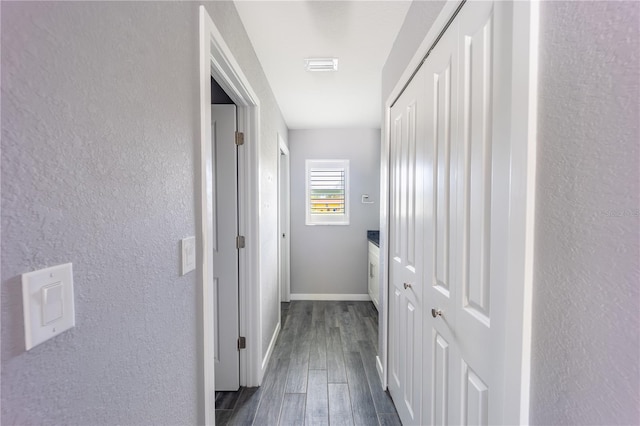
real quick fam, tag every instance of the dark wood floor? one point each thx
(322, 371)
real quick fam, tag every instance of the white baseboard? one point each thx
(272, 344)
(380, 372)
(324, 296)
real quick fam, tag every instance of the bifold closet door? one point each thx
(468, 81)
(406, 252)
(449, 192)
(441, 74)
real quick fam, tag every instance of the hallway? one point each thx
(322, 371)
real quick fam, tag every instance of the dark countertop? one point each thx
(374, 237)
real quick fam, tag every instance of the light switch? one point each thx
(47, 299)
(188, 254)
(365, 199)
(52, 305)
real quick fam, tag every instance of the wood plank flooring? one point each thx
(322, 372)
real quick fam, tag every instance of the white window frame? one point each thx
(332, 219)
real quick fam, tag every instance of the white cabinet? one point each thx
(374, 256)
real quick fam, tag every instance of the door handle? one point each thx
(436, 312)
(407, 285)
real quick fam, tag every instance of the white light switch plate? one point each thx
(188, 254)
(47, 299)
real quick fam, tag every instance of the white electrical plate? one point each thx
(47, 299)
(188, 254)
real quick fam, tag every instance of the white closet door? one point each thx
(441, 118)
(453, 161)
(406, 253)
(466, 226)
(483, 175)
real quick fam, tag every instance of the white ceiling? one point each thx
(359, 33)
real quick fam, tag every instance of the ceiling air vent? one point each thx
(321, 64)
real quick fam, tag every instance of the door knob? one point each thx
(436, 312)
(407, 285)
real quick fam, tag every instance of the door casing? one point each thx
(217, 61)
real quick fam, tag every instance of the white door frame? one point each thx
(524, 59)
(284, 281)
(216, 59)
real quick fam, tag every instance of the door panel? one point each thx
(284, 273)
(484, 209)
(225, 254)
(477, 220)
(475, 398)
(395, 339)
(440, 381)
(441, 118)
(407, 258)
(395, 187)
(409, 167)
(411, 393)
(441, 122)
(476, 131)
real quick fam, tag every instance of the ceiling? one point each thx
(359, 33)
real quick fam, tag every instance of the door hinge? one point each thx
(239, 138)
(239, 242)
(242, 343)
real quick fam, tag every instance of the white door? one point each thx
(440, 72)
(283, 222)
(225, 253)
(450, 170)
(406, 253)
(467, 208)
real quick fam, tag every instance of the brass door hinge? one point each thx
(239, 242)
(239, 138)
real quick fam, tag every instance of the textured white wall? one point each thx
(333, 259)
(100, 140)
(586, 289)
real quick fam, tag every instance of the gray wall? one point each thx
(333, 259)
(586, 289)
(417, 23)
(586, 300)
(100, 142)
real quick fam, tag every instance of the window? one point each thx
(327, 196)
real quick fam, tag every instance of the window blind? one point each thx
(327, 191)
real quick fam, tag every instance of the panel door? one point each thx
(441, 118)
(406, 253)
(284, 273)
(483, 170)
(225, 254)
(467, 221)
